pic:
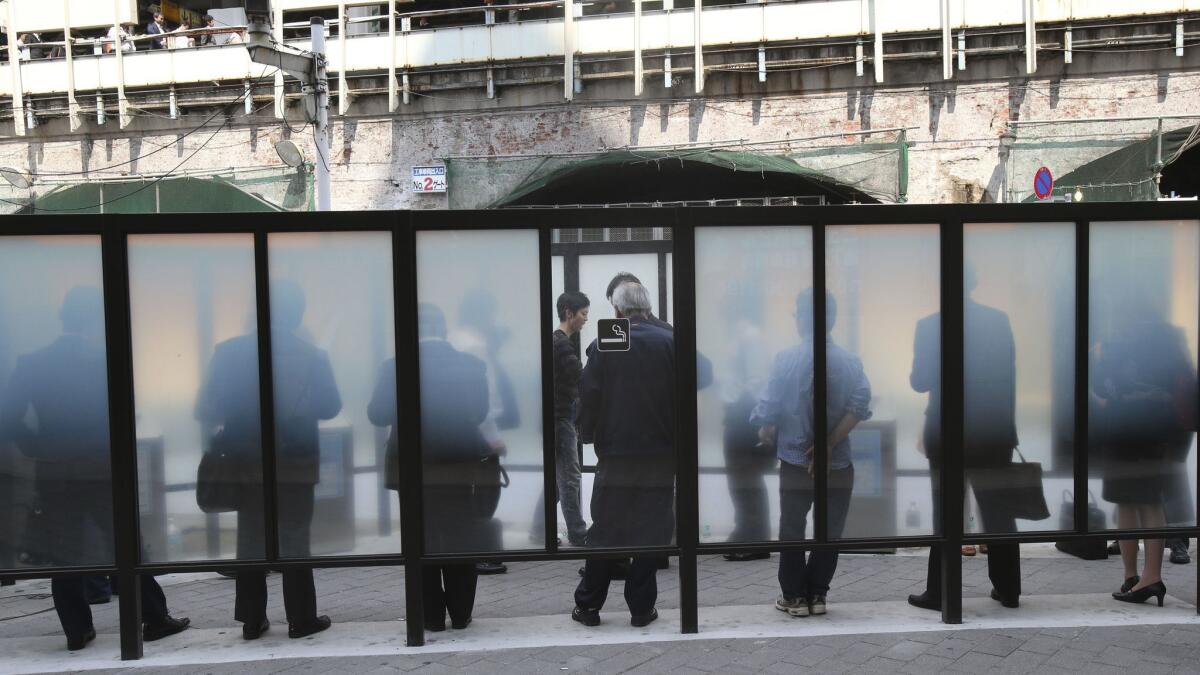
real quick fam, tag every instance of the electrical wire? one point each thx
(202, 125)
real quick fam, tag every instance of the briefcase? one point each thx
(226, 471)
(1024, 494)
(1089, 548)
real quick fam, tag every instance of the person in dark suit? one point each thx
(157, 27)
(305, 392)
(65, 386)
(457, 462)
(989, 434)
(1142, 407)
(627, 409)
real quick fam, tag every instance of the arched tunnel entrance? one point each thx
(681, 180)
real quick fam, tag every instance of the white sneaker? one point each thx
(794, 606)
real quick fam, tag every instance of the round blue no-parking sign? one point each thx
(1043, 183)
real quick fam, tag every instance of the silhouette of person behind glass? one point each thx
(305, 392)
(65, 387)
(1142, 413)
(480, 334)
(747, 460)
(455, 454)
(989, 431)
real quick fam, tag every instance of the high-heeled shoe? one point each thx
(1157, 589)
(1129, 583)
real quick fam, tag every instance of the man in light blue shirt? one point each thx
(784, 416)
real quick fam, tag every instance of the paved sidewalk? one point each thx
(1066, 622)
(1165, 649)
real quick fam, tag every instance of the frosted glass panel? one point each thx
(55, 469)
(884, 281)
(1142, 372)
(747, 282)
(481, 325)
(195, 369)
(1019, 380)
(332, 343)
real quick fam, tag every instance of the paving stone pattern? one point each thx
(544, 588)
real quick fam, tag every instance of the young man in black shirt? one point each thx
(572, 309)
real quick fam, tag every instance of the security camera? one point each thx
(258, 25)
(258, 9)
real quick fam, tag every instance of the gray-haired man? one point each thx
(628, 412)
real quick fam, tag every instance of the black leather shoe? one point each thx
(1156, 590)
(82, 641)
(1129, 583)
(435, 626)
(297, 631)
(587, 617)
(252, 632)
(459, 625)
(746, 557)
(490, 568)
(161, 629)
(1011, 603)
(644, 620)
(925, 601)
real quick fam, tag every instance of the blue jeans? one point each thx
(568, 476)
(800, 577)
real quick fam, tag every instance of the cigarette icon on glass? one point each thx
(619, 332)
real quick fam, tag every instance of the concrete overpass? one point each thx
(955, 83)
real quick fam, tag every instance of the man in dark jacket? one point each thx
(628, 411)
(456, 461)
(305, 392)
(65, 385)
(572, 309)
(157, 27)
(989, 430)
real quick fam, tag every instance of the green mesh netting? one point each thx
(875, 168)
(249, 190)
(1106, 160)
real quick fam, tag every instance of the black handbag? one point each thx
(226, 471)
(490, 479)
(1091, 548)
(1024, 492)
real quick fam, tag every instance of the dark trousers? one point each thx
(745, 473)
(632, 505)
(641, 584)
(295, 522)
(1004, 559)
(71, 603)
(77, 529)
(804, 574)
(448, 589)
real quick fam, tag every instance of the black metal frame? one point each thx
(114, 231)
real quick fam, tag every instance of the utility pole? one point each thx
(309, 68)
